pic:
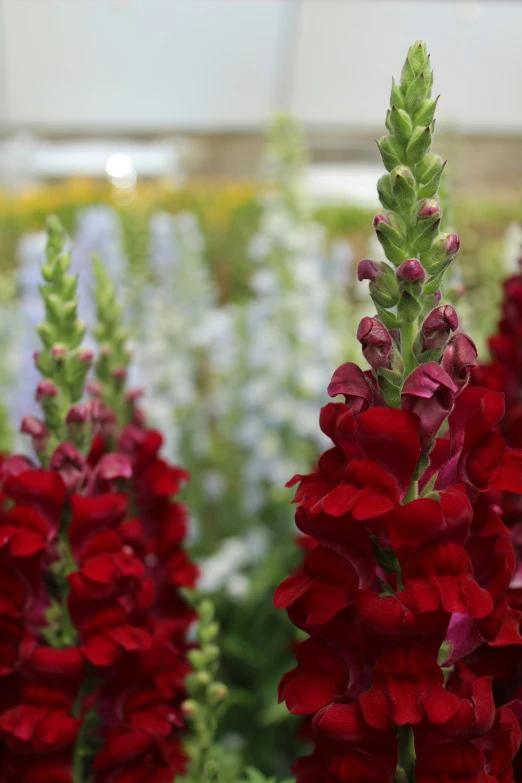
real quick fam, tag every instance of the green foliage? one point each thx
(113, 358)
(62, 363)
(206, 700)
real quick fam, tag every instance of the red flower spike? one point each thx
(406, 685)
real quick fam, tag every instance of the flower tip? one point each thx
(411, 271)
(46, 388)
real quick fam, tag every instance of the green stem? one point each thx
(408, 333)
(407, 755)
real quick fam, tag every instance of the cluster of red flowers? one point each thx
(405, 601)
(92, 641)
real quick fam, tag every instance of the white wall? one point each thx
(154, 65)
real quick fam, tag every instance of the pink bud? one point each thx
(437, 326)
(459, 358)
(429, 208)
(78, 414)
(85, 356)
(46, 388)
(58, 351)
(33, 426)
(114, 466)
(429, 392)
(351, 381)
(133, 395)
(411, 271)
(379, 219)
(119, 373)
(370, 270)
(37, 430)
(376, 342)
(94, 388)
(452, 245)
(437, 295)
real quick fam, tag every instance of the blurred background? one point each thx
(219, 156)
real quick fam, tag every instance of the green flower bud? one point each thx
(391, 233)
(397, 96)
(196, 658)
(419, 144)
(429, 215)
(401, 124)
(384, 189)
(441, 252)
(403, 187)
(426, 112)
(431, 175)
(391, 150)
(416, 94)
(217, 692)
(417, 62)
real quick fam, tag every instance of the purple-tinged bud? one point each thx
(377, 344)
(85, 356)
(133, 395)
(379, 220)
(440, 253)
(429, 392)
(119, 373)
(452, 245)
(429, 209)
(459, 358)
(70, 464)
(33, 426)
(78, 414)
(58, 351)
(370, 270)
(438, 295)
(94, 388)
(114, 466)
(46, 388)
(391, 233)
(38, 431)
(351, 381)
(411, 271)
(437, 327)
(383, 285)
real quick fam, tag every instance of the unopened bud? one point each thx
(119, 373)
(411, 271)
(58, 351)
(377, 344)
(78, 414)
(401, 123)
(85, 356)
(383, 285)
(437, 328)
(403, 187)
(391, 233)
(419, 144)
(441, 252)
(189, 708)
(391, 151)
(46, 388)
(459, 358)
(217, 692)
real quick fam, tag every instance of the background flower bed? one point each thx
(201, 391)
